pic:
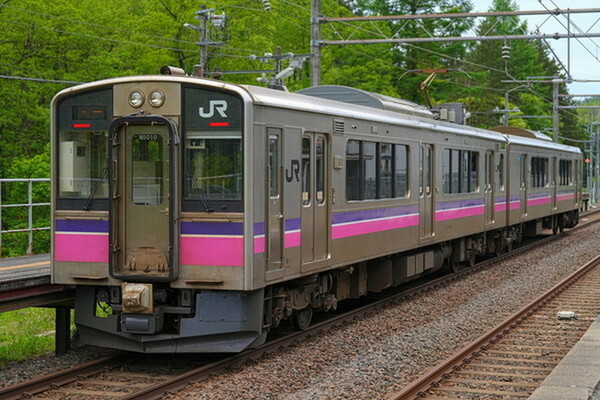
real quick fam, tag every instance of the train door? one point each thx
(523, 174)
(489, 187)
(426, 200)
(144, 197)
(315, 198)
(275, 227)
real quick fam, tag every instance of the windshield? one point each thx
(213, 162)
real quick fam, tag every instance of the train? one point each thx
(196, 216)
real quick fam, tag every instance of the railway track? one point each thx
(513, 359)
(126, 377)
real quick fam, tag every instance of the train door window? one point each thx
(501, 172)
(446, 178)
(147, 169)
(401, 172)
(320, 170)
(370, 170)
(473, 172)
(429, 167)
(421, 157)
(523, 171)
(274, 165)
(353, 170)
(305, 171)
(386, 161)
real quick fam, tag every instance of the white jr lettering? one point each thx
(219, 105)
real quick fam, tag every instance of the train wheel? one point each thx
(301, 318)
(470, 258)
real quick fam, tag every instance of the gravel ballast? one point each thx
(383, 351)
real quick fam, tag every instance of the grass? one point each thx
(26, 333)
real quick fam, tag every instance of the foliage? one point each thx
(26, 333)
(88, 40)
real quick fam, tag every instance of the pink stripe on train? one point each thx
(444, 215)
(539, 201)
(564, 197)
(77, 247)
(339, 231)
(202, 250)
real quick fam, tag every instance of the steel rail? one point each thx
(30, 388)
(158, 390)
(197, 375)
(430, 379)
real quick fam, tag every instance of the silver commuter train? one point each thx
(195, 215)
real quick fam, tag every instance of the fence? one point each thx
(30, 204)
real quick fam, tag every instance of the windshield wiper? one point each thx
(198, 190)
(86, 207)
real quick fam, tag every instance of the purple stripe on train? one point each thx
(362, 222)
(212, 228)
(459, 209)
(363, 215)
(76, 225)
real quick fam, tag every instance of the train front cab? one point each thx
(149, 215)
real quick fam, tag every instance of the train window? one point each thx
(565, 172)
(213, 157)
(320, 170)
(353, 170)
(147, 170)
(274, 165)
(370, 170)
(305, 171)
(82, 164)
(81, 148)
(376, 170)
(539, 172)
(401, 170)
(385, 170)
(460, 171)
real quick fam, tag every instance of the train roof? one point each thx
(303, 102)
(351, 95)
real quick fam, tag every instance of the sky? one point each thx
(583, 65)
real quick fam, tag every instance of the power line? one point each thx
(22, 78)
(98, 37)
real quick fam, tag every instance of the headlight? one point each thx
(136, 98)
(157, 98)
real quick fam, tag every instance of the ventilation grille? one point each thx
(338, 126)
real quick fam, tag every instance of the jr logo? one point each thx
(215, 105)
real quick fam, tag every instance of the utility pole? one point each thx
(555, 83)
(206, 35)
(315, 45)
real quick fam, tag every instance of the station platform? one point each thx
(577, 376)
(24, 271)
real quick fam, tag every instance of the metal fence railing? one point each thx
(29, 205)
